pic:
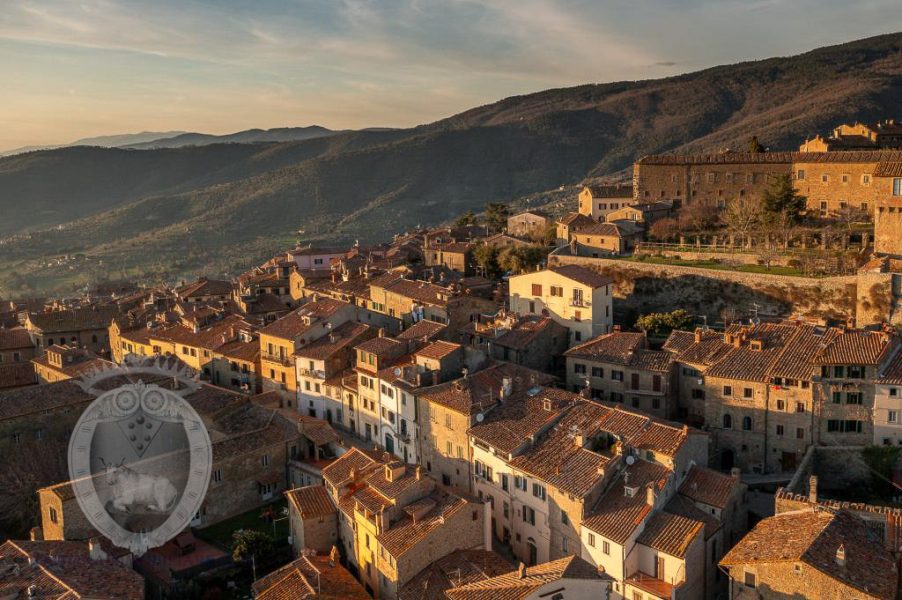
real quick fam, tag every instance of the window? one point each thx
(217, 475)
(728, 421)
(520, 483)
(746, 423)
(538, 491)
(780, 430)
(800, 407)
(529, 515)
(727, 390)
(537, 289)
(606, 547)
(504, 482)
(564, 518)
(591, 540)
(747, 393)
(617, 375)
(597, 372)
(565, 547)
(556, 290)
(750, 580)
(866, 179)
(897, 186)
(264, 460)
(579, 369)
(837, 397)
(801, 174)
(892, 416)
(800, 433)
(448, 422)
(449, 449)
(853, 397)
(825, 178)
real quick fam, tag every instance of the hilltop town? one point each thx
(687, 385)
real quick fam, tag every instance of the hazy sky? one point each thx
(75, 68)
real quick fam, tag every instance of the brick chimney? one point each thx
(650, 495)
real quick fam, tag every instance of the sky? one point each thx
(79, 68)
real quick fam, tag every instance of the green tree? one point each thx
(250, 542)
(517, 259)
(661, 324)
(487, 257)
(781, 201)
(754, 145)
(467, 219)
(496, 215)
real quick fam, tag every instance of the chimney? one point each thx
(698, 335)
(521, 571)
(841, 555)
(812, 489)
(95, 551)
(650, 495)
(735, 473)
(382, 332)
(418, 472)
(579, 439)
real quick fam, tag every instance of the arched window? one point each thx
(727, 422)
(746, 423)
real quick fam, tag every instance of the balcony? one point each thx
(312, 373)
(651, 585)
(281, 359)
(580, 303)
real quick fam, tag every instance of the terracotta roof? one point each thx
(558, 461)
(310, 577)
(514, 421)
(394, 487)
(438, 350)
(407, 532)
(577, 221)
(772, 157)
(813, 537)
(525, 332)
(889, 169)
(617, 515)
(64, 570)
(422, 329)
(854, 346)
(380, 346)
(669, 533)
(15, 338)
(459, 568)
(36, 399)
(246, 351)
(294, 323)
(683, 506)
(620, 190)
(74, 319)
(511, 586)
(354, 459)
(892, 373)
(204, 287)
(582, 275)
(421, 291)
(337, 340)
(14, 375)
(708, 486)
(480, 390)
(623, 348)
(311, 501)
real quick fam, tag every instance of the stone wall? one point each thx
(641, 288)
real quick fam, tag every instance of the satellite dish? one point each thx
(480, 417)
(397, 372)
(630, 459)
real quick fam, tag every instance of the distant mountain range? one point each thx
(147, 140)
(166, 212)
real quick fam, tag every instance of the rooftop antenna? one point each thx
(755, 308)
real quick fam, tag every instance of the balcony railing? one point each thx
(312, 373)
(579, 303)
(277, 358)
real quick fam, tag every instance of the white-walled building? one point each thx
(888, 404)
(576, 297)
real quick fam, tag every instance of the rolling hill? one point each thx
(163, 213)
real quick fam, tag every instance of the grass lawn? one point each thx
(220, 534)
(712, 264)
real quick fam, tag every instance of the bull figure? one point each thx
(132, 489)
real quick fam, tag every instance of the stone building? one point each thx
(313, 519)
(570, 224)
(812, 554)
(63, 569)
(767, 392)
(831, 181)
(611, 237)
(457, 256)
(85, 327)
(66, 362)
(529, 224)
(447, 410)
(619, 367)
(531, 341)
(857, 136)
(598, 200)
(16, 351)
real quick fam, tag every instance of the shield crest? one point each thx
(140, 460)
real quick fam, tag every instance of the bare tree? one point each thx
(742, 216)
